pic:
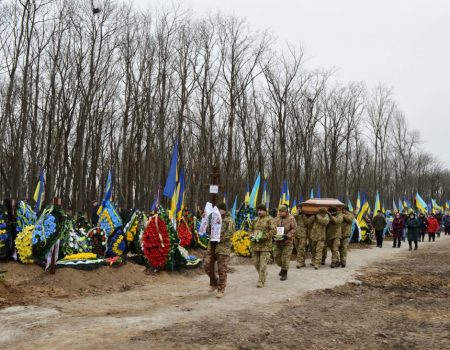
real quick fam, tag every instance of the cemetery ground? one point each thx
(384, 299)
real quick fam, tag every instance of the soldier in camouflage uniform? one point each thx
(283, 247)
(347, 225)
(222, 253)
(304, 224)
(334, 231)
(318, 235)
(262, 229)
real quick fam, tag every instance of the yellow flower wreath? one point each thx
(241, 243)
(116, 244)
(81, 256)
(23, 244)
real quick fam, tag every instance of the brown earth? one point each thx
(403, 305)
(398, 300)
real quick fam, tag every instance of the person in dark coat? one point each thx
(439, 217)
(397, 230)
(94, 216)
(413, 226)
(379, 223)
(447, 223)
(423, 226)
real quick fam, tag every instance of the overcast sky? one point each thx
(402, 43)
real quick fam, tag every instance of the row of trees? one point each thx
(81, 93)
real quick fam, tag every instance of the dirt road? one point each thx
(176, 310)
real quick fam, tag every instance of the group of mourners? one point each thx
(411, 227)
(275, 238)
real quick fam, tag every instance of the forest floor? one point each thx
(384, 299)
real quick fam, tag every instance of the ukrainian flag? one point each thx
(420, 203)
(39, 192)
(254, 195)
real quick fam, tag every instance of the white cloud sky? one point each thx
(402, 43)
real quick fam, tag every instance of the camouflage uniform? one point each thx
(334, 231)
(301, 236)
(283, 249)
(261, 249)
(223, 251)
(318, 235)
(347, 224)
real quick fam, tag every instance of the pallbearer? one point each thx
(347, 225)
(318, 236)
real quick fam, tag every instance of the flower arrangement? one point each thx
(241, 243)
(44, 229)
(184, 233)
(81, 256)
(76, 241)
(97, 240)
(109, 219)
(116, 244)
(82, 223)
(25, 216)
(202, 240)
(5, 236)
(23, 244)
(156, 242)
(245, 217)
(50, 226)
(131, 228)
(191, 260)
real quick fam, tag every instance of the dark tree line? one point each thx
(83, 92)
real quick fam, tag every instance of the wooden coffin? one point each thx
(311, 206)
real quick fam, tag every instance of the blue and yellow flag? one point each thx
(285, 194)
(294, 207)
(436, 206)
(247, 196)
(155, 203)
(180, 199)
(255, 190)
(108, 192)
(265, 195)
(233, 210)
(350, 206)
(420, 203)
(364, 209)
(377, 205)
(39, 192)
(172, 177)
(400, 206)
(394, 206)
(358, 203)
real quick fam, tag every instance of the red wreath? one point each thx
(98, 241)
(156, 243)
(184, 234)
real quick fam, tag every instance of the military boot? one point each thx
(283, 275)
(280, 273)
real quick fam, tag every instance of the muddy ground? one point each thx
(396, 300)
(401, 305)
